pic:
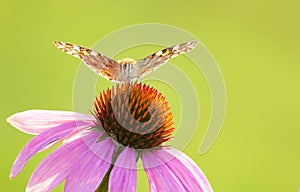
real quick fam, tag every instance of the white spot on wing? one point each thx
(176, 47)
(93, 53)
(159, 53)
(76, 48)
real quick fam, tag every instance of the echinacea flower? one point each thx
(99, 152)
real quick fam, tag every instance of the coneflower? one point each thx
(99, 152)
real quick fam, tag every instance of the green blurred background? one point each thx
(256, 44)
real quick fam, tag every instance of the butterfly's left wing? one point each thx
(100, 64)
(154, 61)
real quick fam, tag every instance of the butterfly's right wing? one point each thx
(156, 60)
(100, 64)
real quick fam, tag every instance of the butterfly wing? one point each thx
(100, 64)
(154, 61)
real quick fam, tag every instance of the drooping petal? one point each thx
(37, 121)
(44, 139)
(172, 170)
(123, 175)
(91, 168)
(56, 166)
(159, 176)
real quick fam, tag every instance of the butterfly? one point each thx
(127, 69)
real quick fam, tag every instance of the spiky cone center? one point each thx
(134, 115)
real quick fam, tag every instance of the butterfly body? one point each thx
(127, 69)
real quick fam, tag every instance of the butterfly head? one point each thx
(126, 61)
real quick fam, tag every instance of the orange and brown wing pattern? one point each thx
(100, 64)
(154, 61)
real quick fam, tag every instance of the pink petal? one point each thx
(37, 121)
(43, 140)
(172, 170)
(159, 176)
(56, 166)
(123, 175)
(91, 168)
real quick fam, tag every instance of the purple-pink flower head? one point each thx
(99, 152)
